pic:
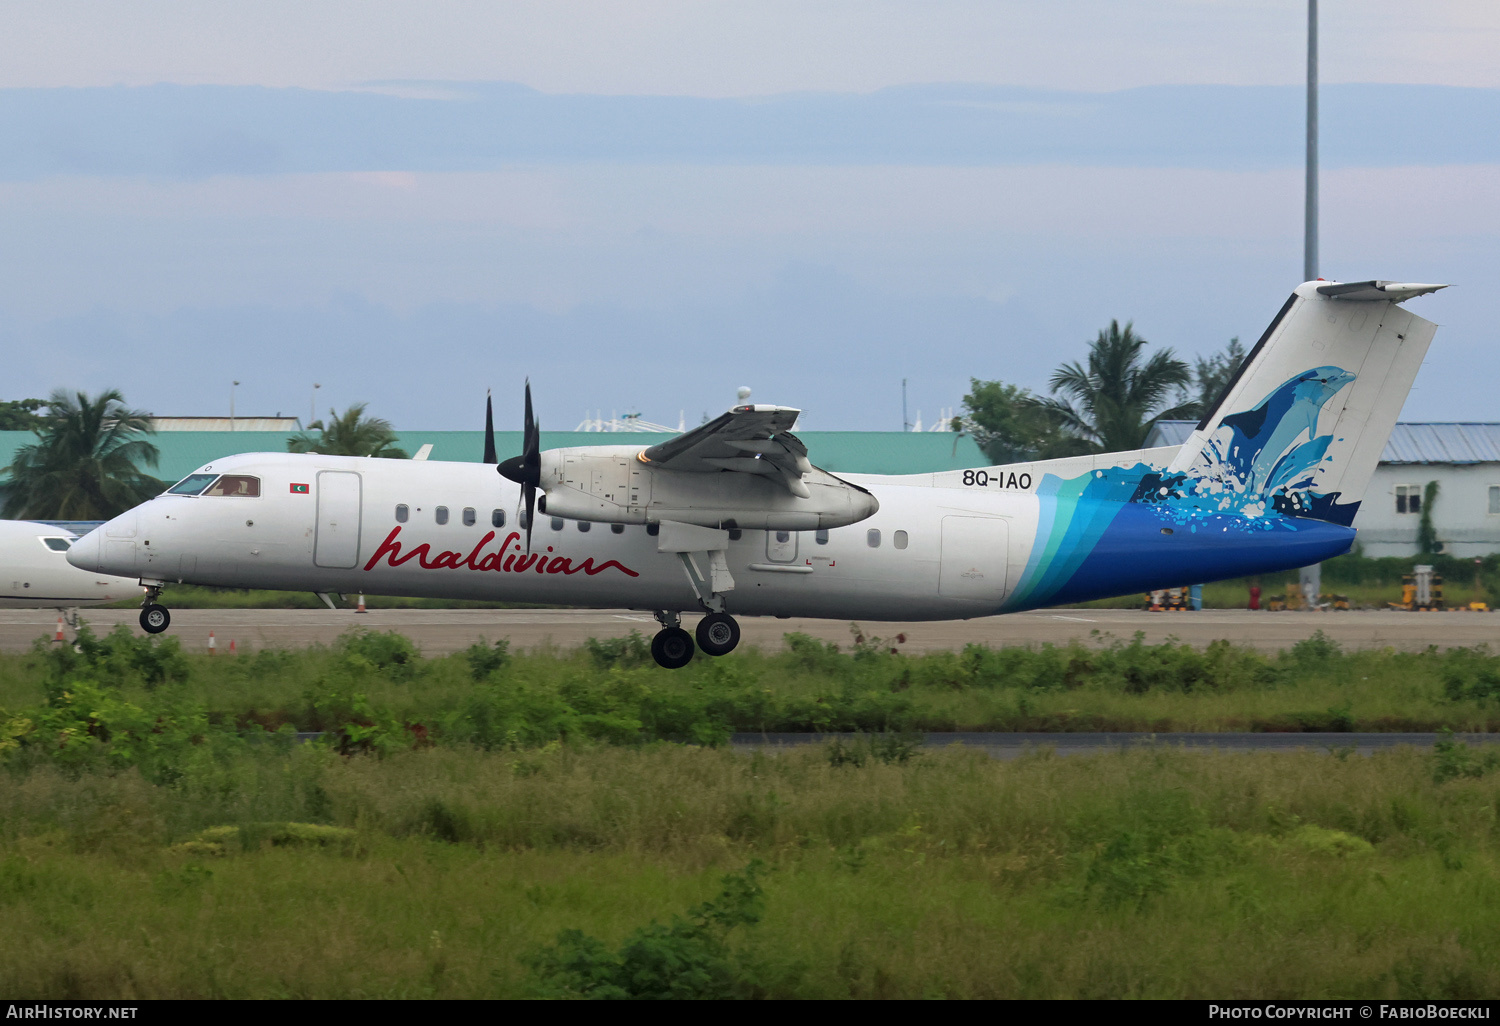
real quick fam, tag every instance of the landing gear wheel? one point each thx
(155, 618)
(672, 647)
(718, 633)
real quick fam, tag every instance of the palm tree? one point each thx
(1212, 375)
(1112, 403)
(85, 465)
(352, 434)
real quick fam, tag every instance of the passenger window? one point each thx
(402, 512)
(441, 513)
(584, 525)
(497, 518)
(873, 537)
(653, 529)
(523, 519)
(193, 484)
(899, 539)
(783, 536)
(821, 536)
(235, 484)
(57, 544)
(557, 523)
(617, 528)
(735, 534)
(468, 516)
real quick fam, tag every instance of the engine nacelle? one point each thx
(610, 484)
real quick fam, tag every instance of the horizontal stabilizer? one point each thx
(1366, 291)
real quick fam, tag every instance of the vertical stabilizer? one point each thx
(1302, 425)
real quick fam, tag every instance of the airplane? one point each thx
(35, 572)
(733, 519)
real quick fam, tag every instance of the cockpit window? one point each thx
(57, 544)
(193, 484)
(235, 484)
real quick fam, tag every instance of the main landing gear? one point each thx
(155, 617)
(718, 634)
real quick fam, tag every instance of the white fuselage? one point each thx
(35, 572)
(951, 545)
(940, 554)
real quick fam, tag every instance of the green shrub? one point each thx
(1453, 759)
(392, 654)
(631, 650)
(484, 659)
(689, 958)
(118, 659)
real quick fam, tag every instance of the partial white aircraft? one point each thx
(733, 517)
(35, 572)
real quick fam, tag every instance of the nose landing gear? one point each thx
(672, 647)
(155, 617)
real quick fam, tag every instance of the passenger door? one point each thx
(336, 545)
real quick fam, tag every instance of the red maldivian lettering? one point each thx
(498, 560)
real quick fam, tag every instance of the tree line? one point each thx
(93, 454)
(1109, 402)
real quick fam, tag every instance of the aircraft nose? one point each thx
(84, 553)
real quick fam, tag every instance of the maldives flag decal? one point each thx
(300, 489)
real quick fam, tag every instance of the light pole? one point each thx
(1310, 578)
(232, 386)
(1310, 213)
(312, 404)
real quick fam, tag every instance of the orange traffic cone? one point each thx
(210, 642)
(231, 646)
(59, 635)
(361, 607)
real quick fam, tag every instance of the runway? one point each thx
(441, 631)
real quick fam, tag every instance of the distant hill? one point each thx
(201, 130)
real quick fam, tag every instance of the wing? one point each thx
(746, 440)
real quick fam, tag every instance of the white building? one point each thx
(1464, 461)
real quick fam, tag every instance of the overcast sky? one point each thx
(442, 235)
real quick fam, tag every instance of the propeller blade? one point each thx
(526, 469)
(528, 495)
(489, 430)
(530, 419)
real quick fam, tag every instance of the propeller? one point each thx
(489, 429)
(526, 469)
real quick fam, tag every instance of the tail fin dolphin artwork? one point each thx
(1288, 451)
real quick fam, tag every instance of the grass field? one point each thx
(449, 872)
(562, 824)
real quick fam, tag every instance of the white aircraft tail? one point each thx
(1301, 427)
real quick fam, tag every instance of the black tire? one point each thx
(155, 618)
(718, 633)
(672, 647)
